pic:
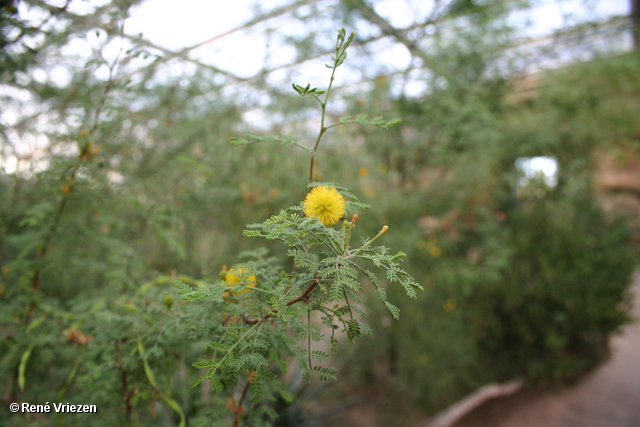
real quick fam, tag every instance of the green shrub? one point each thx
(563, 293)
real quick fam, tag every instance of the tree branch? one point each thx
(303, 297)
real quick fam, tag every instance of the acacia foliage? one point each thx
(98, 227)
(136, 186)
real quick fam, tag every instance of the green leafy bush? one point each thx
(521, 281)
(563, 294)
(138, 187)
(83, 319)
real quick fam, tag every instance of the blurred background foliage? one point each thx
(122, 176)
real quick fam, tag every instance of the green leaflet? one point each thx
(177, 408)
(147, 369)
(23, 367)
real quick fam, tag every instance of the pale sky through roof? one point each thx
(175, 27)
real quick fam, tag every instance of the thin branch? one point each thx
(373, 17)
(112, 70)
(71, 180)
(124, 378)
(323, 129)
(257, 20)
(238, 408)
(303, 297)
(183, 55)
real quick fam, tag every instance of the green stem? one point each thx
(363, 271)
(323, 106)
(302, 146)
(344, 325)
(384, 230)
(344, 291)
(348, 234)
(328, 243)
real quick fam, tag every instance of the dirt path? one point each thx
(607, 397)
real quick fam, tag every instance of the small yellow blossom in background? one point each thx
(324, 203)
(368, 189)
(363, 171)
(423, 360)
(431, 246)
(449, 306)
(236, 275)
(381, 79)
(435, 251)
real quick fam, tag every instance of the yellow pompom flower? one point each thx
(236, 276)
(324, 203)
